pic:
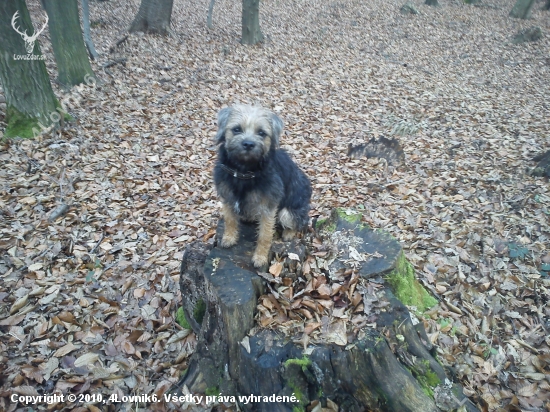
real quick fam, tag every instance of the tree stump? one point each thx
(543, 165)
(433, 3)
(387, 365)
(528, 35)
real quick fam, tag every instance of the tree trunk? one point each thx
(153, 17)
(87, 31)
(251, 32)
(30, 101)
(73, 65)
(389, 367)
(432, 3)
(547, 5)
(209, 15)
(522, 9)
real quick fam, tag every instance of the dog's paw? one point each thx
(288, 235)
(228, 241)
(259, 260)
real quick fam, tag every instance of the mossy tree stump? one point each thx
(389, 367)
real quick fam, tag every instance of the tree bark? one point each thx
(73, 65)
(251, 32)
(153, 17)
(87, 34)
(522, 9)
(387, 368)
(209, 16)
(30, 101)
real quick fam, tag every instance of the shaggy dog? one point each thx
(256, 180)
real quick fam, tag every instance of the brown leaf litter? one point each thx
(94, 219)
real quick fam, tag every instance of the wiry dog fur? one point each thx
(256, 180)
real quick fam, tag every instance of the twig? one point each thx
(98, 243)
(118, 43)
(59, 211)
(122, 60)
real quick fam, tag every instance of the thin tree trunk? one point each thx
(87, 35)
(153, 17)
(210, 11)
(30, 101)
(251, 32)
(73, 65)
(522, 9)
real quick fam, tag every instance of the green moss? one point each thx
(320, 222)
(304, 362)
(19, 124)
(181, 319)
(67, 117)
(297, 391)
(406, 287)
(294, 385)
(213, 391)
(427, 379)
(326, 225)
(431, 377)
(349, 215)
(199, 311)
(24, 126)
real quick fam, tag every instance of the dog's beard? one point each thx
(238, 155)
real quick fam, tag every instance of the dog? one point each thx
(256, 180)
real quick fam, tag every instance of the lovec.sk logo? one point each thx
(29, 40)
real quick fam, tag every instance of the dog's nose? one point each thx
(248, 145)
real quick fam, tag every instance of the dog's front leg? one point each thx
(231, 221)
(265, 236)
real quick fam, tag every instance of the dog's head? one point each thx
(248, 132)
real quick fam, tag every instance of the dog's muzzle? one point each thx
(248, 145)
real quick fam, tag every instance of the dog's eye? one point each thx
(262, 133)
(237, 130)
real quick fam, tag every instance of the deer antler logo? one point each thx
(29, 40)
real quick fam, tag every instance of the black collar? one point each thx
(238, 175)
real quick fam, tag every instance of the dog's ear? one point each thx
(277, 128)
(223, 116)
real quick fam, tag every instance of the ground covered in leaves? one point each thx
(88, 297)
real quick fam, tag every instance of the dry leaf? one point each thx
(276, 268)
(86, 359)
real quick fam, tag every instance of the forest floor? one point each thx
(87, 300)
